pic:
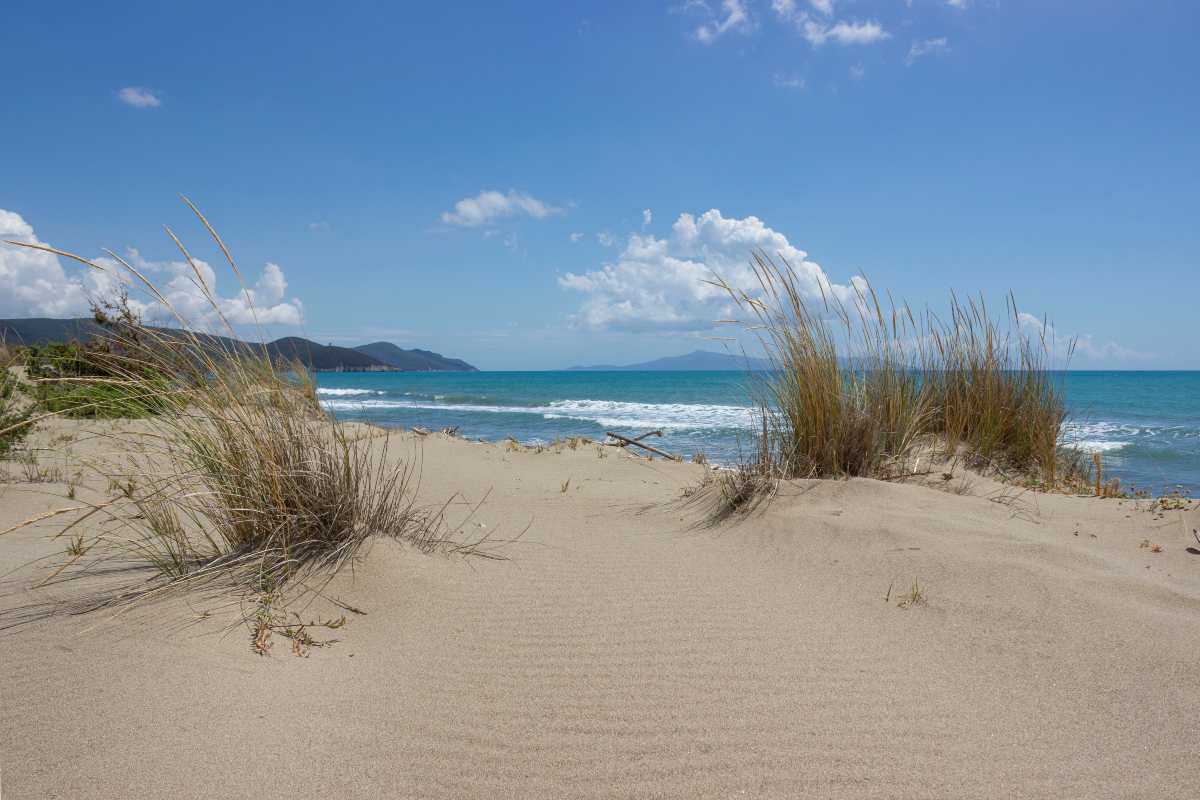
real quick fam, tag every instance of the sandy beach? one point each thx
(685, 400)
(625, 649)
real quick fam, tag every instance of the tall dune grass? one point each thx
(995, 391)
(858, 385)
(243, 482)
(15, 416)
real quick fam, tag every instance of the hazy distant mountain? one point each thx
(699, 360)
(42, 330)
(322, 357)
(413, 360)
(380, 356)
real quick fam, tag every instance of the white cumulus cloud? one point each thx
(661, 284)
(647, 217)
(138, 97)
(490, 205)
(34, 283)
(188, 293)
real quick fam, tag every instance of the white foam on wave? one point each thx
(1099, 430)
(1098, 445)
(371, 405)
(677, 416)
(609, 413)
(1105, 436)
(1096, 437)
(346, 392)
(1106, 430)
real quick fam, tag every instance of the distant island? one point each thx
(413, 360)
(374, 357)
(698, 360)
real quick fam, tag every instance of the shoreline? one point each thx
(1165, 489)
(1150, 447)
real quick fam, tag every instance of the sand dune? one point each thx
(624, 650)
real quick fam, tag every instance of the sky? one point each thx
(537, 185)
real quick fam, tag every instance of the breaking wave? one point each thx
(325, 392)
(609, 413)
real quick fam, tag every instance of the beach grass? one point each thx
(94, 380)
(862, 386)
(15, 417)
(241, 482)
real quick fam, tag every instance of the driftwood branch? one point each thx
(625, 441)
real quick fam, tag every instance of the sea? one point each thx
(1145, 424)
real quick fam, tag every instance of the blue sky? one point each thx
(534, 185)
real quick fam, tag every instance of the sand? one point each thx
(624, 650)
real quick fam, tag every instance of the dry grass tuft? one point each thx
(914, 597)
(244, 485)
(728, 492)
(858, 386)
(1109, 488)
(1172, 499)
(15, 416)
(34, 472)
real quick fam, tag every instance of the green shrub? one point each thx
(98, 379)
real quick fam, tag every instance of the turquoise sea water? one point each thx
(1147, 424)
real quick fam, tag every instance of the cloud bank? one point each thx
(1083, 345)
(662, 284)
(33, 283)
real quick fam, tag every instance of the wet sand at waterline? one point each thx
(623, 649)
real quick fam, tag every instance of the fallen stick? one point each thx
(626, 441)
(643, 445)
